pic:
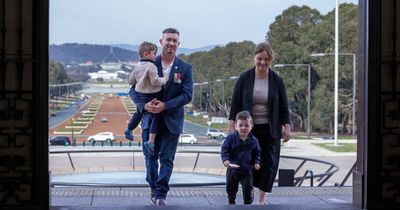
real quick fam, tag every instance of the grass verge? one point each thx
(347, 147)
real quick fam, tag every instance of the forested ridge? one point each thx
(73, 53)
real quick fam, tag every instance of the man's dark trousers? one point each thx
(165, 148)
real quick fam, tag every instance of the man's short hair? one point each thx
(171, 31)
(244, 115)
(146, 47)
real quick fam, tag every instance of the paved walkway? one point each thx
(199, 198)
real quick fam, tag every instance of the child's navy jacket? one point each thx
(243, 153)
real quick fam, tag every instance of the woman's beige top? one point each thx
(260, 101)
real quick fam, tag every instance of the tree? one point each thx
(219, 63)
(290, 37)
(325, 67)
(57, 73)
(295, 34)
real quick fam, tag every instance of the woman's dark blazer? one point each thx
(278, 110)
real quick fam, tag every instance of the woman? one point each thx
(261, 91)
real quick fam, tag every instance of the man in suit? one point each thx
(175, 94)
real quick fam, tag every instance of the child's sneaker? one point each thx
(149, 146)
(128, 135)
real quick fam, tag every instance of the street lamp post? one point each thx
(354, 86)
(223, 92)
(354, 97)
(201, 96)
(209, 91)
(72, 131)
(201, 92)
(308, 91)
(336, 70)
(223, 87)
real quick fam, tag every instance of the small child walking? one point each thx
(147, 84)
(240, 152)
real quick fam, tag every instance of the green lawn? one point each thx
(69, 130)
(75, 123)
(347, 147)
(199, 120)
(299, 137)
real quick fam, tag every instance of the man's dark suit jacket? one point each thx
(278, 111)
(176, 93)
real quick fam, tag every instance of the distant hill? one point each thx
(70, 53)
(185, 51)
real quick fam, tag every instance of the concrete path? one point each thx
(200, 198)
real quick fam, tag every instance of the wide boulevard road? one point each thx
(65, 113)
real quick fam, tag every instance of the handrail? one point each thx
(326, 175)
(347, 176)
(298, 167)
(299, 180)
(70, 161)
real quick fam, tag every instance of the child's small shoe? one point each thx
(149, 146)
(128, 134)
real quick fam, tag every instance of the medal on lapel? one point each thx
(177, 78)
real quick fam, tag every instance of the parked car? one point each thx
(214, 133)
(103, 136)
(187, 138)
(60, 140)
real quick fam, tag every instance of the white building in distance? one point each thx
(109, 71)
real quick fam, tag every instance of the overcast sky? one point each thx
(201, 22)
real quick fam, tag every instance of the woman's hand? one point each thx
(286, 133)
(231, 126)
(226, 163)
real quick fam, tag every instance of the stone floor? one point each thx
(65, 198)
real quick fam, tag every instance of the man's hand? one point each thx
(158, 106)
(149, 106)
(154, 106)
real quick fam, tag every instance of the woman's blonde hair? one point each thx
(263, 46)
